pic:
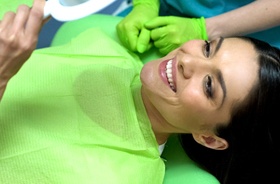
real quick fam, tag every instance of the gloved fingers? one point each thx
(159, 33)
(130, 28)
(164, 45)
(150, 45)
(131, 39)
(157, 22)
(143, 41)
(168, 48)
(128, 36)
(121, 34)
(161, 42)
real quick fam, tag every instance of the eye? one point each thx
(207, 48)
(208, 86)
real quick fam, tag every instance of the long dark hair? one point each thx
(253, 155)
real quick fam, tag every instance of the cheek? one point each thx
(194, 101)
(201, 111)
(189, 112)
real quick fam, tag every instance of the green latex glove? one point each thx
(169, 32)
(131, 30)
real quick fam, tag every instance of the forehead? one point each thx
(238, 45)
(239, 64)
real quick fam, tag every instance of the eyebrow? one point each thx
(219, 73)
(218, 46)
(223, 86)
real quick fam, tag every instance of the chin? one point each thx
(149, 74)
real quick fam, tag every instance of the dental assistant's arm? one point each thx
(256, 16)
(18, 38)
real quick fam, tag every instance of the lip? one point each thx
(162, 72)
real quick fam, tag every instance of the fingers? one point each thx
(35, 19)
(158, 33)
(20, 18)
(27, 20)
(128, 39)
(18, 37)
(157, 22)
(128, 34)
(165, 46)
(130, 29)
(162, 40)
(6, 38)
(160, 44)
(166, 50)
(131, 39)
(143, 41)
(6, 21)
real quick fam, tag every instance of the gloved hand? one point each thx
(170, 32)
(131, 30)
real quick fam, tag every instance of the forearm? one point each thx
(3, 85)
(2, 89)
(254, 17)
(7, 71)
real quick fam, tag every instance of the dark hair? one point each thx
(253, 155)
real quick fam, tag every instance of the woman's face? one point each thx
(201, 85)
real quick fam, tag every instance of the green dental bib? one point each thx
(69, 116)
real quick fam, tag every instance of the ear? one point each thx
(211, 141)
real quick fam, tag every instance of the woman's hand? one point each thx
(18, 38)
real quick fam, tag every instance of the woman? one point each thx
(182, 20)
(251, 133)
(109, 111)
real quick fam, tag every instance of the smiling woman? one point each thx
(92, 102)
(251, 133)
(197, 101)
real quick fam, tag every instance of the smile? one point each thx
(169, 76)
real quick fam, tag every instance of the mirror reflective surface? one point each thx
(71, 2)
(67, 10)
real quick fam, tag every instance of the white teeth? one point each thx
(169, 74)
(169, 64)
(169, 70)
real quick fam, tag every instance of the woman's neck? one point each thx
(161, 137)
(157, 121)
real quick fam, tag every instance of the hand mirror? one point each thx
(67, 10)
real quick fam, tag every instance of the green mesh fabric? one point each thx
(69, 117)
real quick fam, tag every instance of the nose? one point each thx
(192, 59)
(186, 67)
